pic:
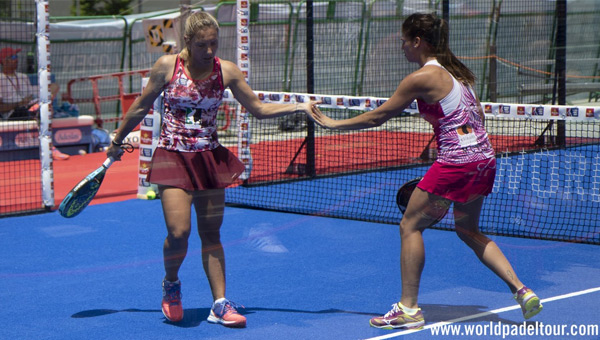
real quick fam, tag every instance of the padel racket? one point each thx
(403, 196)
(404, 193)
(81, 195)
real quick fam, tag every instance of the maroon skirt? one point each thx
(460, 182)
(192, 171)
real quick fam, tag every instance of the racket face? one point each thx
(404, 193)
(82, 194)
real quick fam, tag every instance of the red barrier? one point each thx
(96, 98)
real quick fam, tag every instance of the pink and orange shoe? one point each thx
(225, 313)
(171, 301)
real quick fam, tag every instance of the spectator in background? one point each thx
(18, 98)
(16, 92)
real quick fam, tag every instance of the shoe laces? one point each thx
(229, 307)
(395, 311)
(172, 293)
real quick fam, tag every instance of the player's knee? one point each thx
(463, 234)
(178, 234)
(409, 226)
(210, 237)
(470, 235)
(417, 221)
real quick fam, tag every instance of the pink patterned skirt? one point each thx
(460, 182)
(192, 171)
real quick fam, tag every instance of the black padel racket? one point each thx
(404, 193)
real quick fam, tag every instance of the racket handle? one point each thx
(108, 162)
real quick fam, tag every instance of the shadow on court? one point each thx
(194, 316)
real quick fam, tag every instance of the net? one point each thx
(512, 47)
(22, 100)
(547, 184)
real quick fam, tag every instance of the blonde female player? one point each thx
(189, 165)
(462, 175)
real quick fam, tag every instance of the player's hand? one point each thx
(116, 150)
(318, 117)
(306, 107)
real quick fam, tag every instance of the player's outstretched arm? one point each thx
(234, 79)
(404, 95)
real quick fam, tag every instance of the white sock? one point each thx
(219, 301)
(409, 311)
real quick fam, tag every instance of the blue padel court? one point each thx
(98, 276)
(311, 230)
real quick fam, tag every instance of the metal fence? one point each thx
(356, 46)
(511, 45)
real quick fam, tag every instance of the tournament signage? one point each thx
(161, 34)
(243, 60)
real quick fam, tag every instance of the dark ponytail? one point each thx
(435, 32)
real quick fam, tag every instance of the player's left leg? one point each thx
(466, 219)
(210, 206)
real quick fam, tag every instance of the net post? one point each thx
(243, 62)
(45, 100)
(310, 125)
(149, 134)
(561, 65)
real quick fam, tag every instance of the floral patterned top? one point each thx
(190, 117)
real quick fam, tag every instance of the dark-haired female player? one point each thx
(462, 175)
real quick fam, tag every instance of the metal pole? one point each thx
(184, 10)
(310, 87)
(446, 11)
(561, 65)
(493, 83)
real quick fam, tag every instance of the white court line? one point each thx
(479, 315)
